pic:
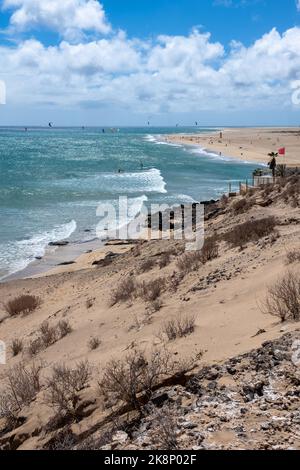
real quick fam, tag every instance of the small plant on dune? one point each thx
(22, 384)
(175, 280)
(35, 347)
(23, 304)
(125, 291)
(179, 327)
(8, 412)
(64, 386)
(48, 334)
(241, 206)
(292, 189)
(136, 376)
(293, 257)
(210, 250)
(165, 423)
(16, 346)
(283, 299)
(147, 265)
(64, 328)
(152, 290)
(250, 231)
(189, 262)
(165, 260)
(94, 343)
(155, 306)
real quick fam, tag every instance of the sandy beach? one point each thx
(251, 144)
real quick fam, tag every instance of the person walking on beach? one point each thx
(273, 163)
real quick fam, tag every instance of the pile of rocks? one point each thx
(248, 402)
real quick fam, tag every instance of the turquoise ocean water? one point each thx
(52, 180)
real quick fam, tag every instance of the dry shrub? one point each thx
(125, 291)
(94, 343)
(165, 426)
(16, 347)
(64, 386)
(251, 230)
(35, 346)
(48, 334)
(147, 265)
(283, 299)
(155, 306)
(64, 328)
(188, 262)
(293, 257)
(268, 189)
(210, 250)
(292, 188)
(22, 386)
(191, 261)
(175, 280)
(23, 304)
(8, 412)
(63, 440)
(165, 260)
(241, 206)
(179, 327)
(152, 290)
(133, 379)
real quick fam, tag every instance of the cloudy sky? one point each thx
(123, 62)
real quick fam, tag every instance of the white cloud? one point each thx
(168, 74)
(68, 17)
(298, 4)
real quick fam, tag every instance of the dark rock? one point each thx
(61, 243)
(160, 399)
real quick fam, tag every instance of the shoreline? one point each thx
(59, 257)
(256, 141)
(250, 145)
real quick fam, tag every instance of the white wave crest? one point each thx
(18, 255)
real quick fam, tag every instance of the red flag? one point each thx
(281, 151)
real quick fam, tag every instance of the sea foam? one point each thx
(18, 255)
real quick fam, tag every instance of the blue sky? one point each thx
(120, 62)
(243, 21)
